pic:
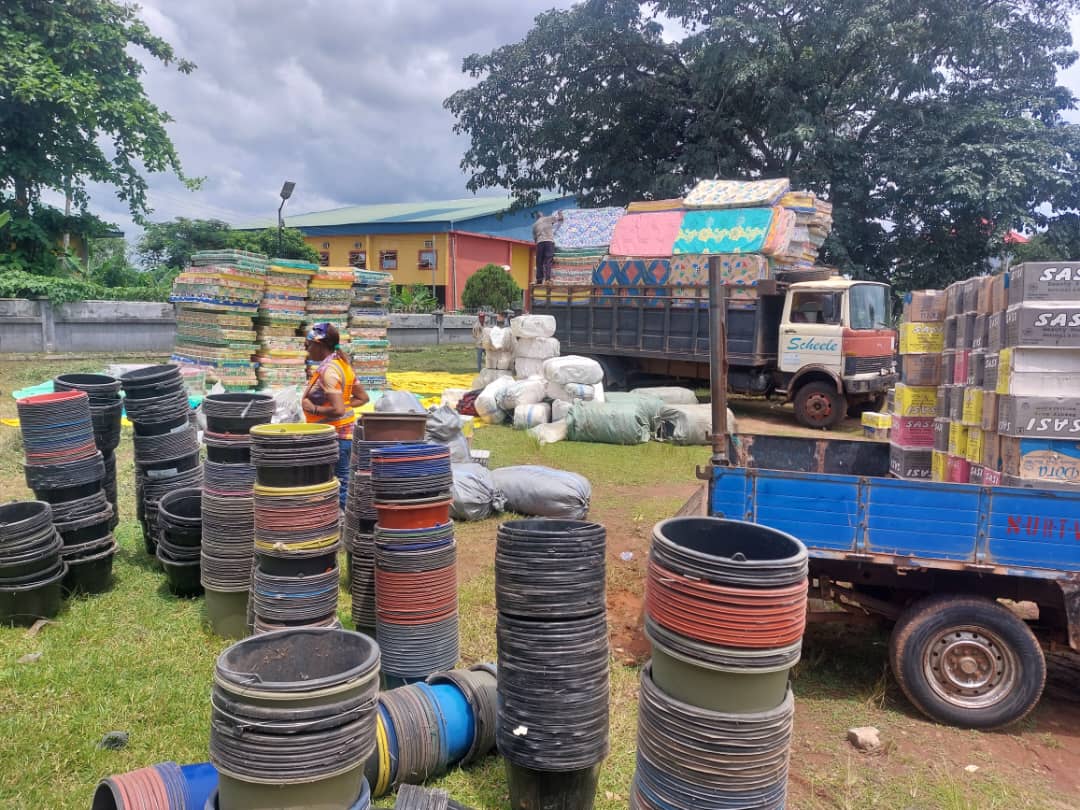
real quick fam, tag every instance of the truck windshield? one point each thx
(869, 304)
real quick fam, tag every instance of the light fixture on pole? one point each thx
(286, 192)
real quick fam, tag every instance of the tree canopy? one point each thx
(70, 83)
(934, 126)
(170, 244)
(490, 287)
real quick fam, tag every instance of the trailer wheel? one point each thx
(819, 405)
(967, 661)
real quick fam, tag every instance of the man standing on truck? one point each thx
(544, 236)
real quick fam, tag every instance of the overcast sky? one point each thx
(344, 98)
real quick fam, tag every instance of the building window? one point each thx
(358, 259)
(388, 260)
(429, 243)
(324, 258)
(428, 260)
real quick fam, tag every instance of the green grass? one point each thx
(137, 659)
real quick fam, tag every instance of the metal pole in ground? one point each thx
(718, 363)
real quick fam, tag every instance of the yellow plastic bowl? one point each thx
(313, 489)
(294, 429)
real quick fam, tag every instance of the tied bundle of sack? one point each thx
(536, 491)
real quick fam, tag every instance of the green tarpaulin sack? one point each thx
(608, 423)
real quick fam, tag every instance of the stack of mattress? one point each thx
(217, 298)
(282, 312)
(369, 320)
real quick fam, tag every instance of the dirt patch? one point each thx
(629, 514)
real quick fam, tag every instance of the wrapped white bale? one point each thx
(487, 376)
(522, 392)
(529, 416)
(399, 402)
(559, 409)
(528, 367)
(533, 326)
(574, 392)
(498, 339)
(670, 395)
(500, 360)
(550, 433)
(487, 403)
(689, 424)
(537, 348)
(543, 492)
(573, 369)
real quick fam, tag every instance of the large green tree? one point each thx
(170, 244)
(934, 126)
(72, 105)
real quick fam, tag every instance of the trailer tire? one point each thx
(967, 661)
(819, 405)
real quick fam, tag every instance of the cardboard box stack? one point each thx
(915, 399)
(283, 309)
(1037, 377)
(216, 299)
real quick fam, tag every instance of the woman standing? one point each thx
(332, 392)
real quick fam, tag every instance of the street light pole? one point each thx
(286, 192)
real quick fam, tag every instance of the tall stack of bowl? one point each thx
(228, 507)
(297, 526)
(293, 719)
(553, 660)
(725, 612)
(416, 602)
(359, 530)
(106, 412)
(425, 729)
(31, 567)
(179, 540)
(166, 443)
(65, 469)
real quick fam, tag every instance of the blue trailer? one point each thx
(944, 562)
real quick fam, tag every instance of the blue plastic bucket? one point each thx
(458, 715)
(200, 782)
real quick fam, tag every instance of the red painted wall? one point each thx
(471, 254)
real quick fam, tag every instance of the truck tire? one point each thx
(967, 661)
(819, 405)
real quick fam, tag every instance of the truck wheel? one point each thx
(967, 661)
(819, 405)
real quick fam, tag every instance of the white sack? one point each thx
(550, 433)
(573, 369)
(529, 416)
(522, 392)
(528, 367)
(537, 348)
(670, 395)
(533, 326)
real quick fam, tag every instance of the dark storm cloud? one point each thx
(342, 96)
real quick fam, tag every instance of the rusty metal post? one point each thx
(718, 366)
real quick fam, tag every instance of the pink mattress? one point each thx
(646, 235)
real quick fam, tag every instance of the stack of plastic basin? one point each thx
(166, 786)
(360, 520)
(228, 507)
(416, 602)
(166, 443)
(65, 469)
(424, 729)
(553, 660)
(297, 527)
(725, 612)
(31, 568)
(293, 719)
(179, 543)
(411, 797)
(106, 412)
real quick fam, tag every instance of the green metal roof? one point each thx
(438, 211)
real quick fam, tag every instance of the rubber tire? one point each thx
(839, 405)
(927, 618)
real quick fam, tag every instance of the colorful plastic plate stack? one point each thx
(65, 468)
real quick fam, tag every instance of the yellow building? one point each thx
(437, 244)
